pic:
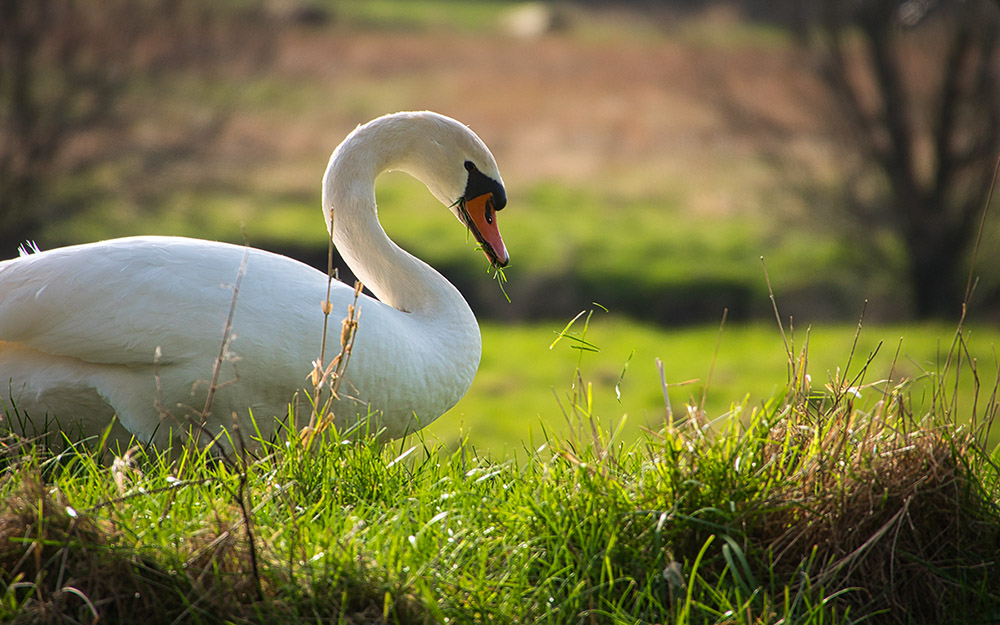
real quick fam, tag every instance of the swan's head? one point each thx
(461, 172)
(477, 209)
(441, 152)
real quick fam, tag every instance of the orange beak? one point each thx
(482, 221)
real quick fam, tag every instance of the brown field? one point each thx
(648, 116)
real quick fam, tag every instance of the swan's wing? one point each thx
(118, 301)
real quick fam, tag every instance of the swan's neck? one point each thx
(396, 277)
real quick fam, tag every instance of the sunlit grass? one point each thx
(514, 397)
(813, 507)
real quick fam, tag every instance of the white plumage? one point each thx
(117, 326)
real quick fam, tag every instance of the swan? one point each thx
(133, 326)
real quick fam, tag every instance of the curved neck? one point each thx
(396, 277)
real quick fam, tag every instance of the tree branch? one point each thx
(898, 157)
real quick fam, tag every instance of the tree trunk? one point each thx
(935, 260)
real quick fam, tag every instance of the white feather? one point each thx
(28, 247)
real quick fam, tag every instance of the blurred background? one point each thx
(653, 153)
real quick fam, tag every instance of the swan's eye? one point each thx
(470, 166)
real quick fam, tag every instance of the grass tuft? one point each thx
(60, 564)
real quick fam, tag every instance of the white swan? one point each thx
(79, 326)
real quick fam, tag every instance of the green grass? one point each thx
(812, 507)
(644, 257)
(450, 15)
(623, 247)
(514, 397)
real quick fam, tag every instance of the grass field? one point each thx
(815, 507)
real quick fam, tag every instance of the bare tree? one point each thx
(64, 65)
(919, 81)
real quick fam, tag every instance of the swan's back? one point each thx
(116, 302)
(110, 321)
(134, 325)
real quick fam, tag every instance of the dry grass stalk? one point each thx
(330, 376)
